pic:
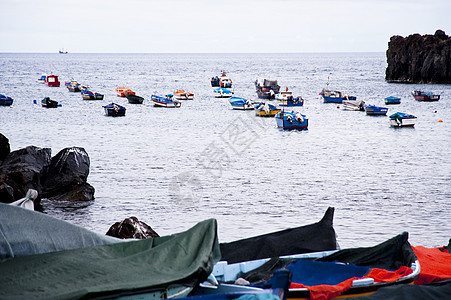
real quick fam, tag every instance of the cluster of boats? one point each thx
(303, 262)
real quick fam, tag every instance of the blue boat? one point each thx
(88, 95)
(374, 110)
(392, 100)
(241, 103)
(6, 101)
(335, 96)
(291, 120)
(400, 119)
(42, 78)
(167, 101)
(223, 93)
(114, 110)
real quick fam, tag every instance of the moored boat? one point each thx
(400, 119)
(49, 103)
(124, 91)
(166, 101)
(392, 100)
(6, 101)
(291, 120)
(88, 95)
(134, 99)
(221, 81)
(183, 95)
(241, 103)
(265, 109)
(73, 86)
(425, 96)
(98, 96)
(330, 96)
(356, 105)
(222, 93)
(266, 88)
(374, 110)
(52, 80)
(42, 78)
(286, 98)
(114, 110)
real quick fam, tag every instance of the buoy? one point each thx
(434, 111)
(440, 121)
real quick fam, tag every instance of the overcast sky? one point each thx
(208, 26)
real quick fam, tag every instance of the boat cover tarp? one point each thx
(114, 269)
(432, 291)
(435, 264)
(27, 232)
(310, 238)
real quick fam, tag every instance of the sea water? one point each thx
(172, 168)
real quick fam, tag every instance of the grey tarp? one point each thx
(25, 232)
(114, 269)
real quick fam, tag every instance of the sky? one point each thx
(206, 26)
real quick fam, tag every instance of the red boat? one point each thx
(52, 80)
(425, 96)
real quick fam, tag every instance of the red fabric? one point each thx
(435, 264)
(325, 292)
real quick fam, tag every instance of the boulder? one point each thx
(419, 59)
(21, 171)
(5, 149)
(131, 228)
(65, 178)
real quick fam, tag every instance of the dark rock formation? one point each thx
(66, 176)
(131, 228)
(5, 149)
(62, 177)
(419, 59)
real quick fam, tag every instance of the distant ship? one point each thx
(62, 51)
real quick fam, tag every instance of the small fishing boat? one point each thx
(356, 105)
(72, 86)
(265, 109)
(52, 80)
(241, 103)
(392, 100)
(291, 120)
(223, 93)
(286, 99)
(134, 99)
(330, 96)
(88, 95)
(123, 91)
(221, 81)
(400, 119)
(49, 103)
(166, 101)
(114, 110)
(266, 88)
(42, 78)
(183, 95)
(6, 101)
(425, 96)
(373, 110)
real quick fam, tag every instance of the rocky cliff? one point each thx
(419, 59)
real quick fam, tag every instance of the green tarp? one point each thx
(113, 269)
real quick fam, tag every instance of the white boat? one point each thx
(223, 93)
(357, 105)
(402, 120)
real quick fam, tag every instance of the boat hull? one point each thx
(425, 96)
(114, 110)
(263, 113)
(6, 101)
(376, 110)
(133, 99)
(290, 120)
(392, 100)
(222, 93)
(291, 103)
(241, 103)
(405, 122)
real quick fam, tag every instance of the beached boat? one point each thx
(266, 88)
(265, 109)
(222, 93)
(356, 105)
(167, 101)
(114, 110)
(6, 101)
(392, 100)
(400, 119)
(134, 99)
(347, 272)
(123, 91)
(52, 80)
(330, 96)
(42, 78)
(183, 95)
(116, 267)
(291, 120)
(425, 96)
(221, 81)
(241, 103)
(49, 103)
(374, 110)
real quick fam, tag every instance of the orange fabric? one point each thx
(325, 292)
(435, 264)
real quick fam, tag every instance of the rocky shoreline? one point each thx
(419, 59)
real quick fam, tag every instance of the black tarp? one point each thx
(305, 239)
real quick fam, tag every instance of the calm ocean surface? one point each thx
(174, 167)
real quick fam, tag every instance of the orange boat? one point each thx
(183, 95)
(123, 92)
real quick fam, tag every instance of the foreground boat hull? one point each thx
(289, 120)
